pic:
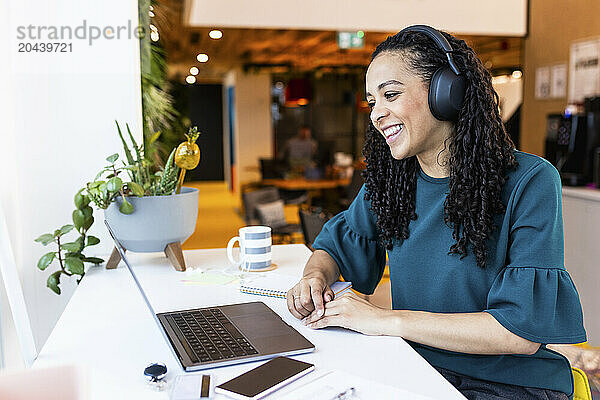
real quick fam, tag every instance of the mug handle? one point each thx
(232, 241)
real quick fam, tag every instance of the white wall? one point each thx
(487, 17)
(8, 197)
(253, 130)
(57, 128)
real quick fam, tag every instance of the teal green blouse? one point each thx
(524, 286)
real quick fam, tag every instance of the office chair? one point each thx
(265, 207)
(16, 301)
(351, 191)
(253, 198)
(273, 215)
(581, 385)
(312, 222)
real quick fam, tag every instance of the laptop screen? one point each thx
(124, 258)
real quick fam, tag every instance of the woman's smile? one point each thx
(392, 132)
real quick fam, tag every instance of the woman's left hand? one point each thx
(352, 312)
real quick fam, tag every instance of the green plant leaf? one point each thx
(76, 255)
(126, 207)
(74, 265)
(103, 189)
(71, 246)
(78, 218)
(125, 147)
(45, 239)
(81, 200)
(46, 260)
(53, 282)
(95, 184)
(66, 229)
(113, 158)
(114, 184)
(88, 213)
(93, 260)
(78, 199)
(57, 233)
(92, 241)
(136, 189)
(154, 137)
(134, 144)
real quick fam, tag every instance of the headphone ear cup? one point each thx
(446, 94)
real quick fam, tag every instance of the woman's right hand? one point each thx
(310, 294)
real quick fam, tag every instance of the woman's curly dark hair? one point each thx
(480, 154)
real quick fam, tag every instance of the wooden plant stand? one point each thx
(172, 251)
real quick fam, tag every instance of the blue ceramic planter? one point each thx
(156, 220)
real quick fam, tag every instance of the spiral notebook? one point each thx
(277, 285)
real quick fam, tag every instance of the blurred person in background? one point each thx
(300, 150)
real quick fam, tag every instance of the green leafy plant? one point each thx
(136, 176)
(158, 105)
(70, 255)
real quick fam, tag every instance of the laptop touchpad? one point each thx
(256, 325)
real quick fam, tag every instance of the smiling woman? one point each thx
(472, 228)
(400, 112)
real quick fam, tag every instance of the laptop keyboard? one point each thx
(208, 335)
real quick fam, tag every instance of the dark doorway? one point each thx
(205, 110)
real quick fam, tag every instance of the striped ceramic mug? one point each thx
(255, 248)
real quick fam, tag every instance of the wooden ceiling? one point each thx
(281, 50)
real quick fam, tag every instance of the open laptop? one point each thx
(211, 337)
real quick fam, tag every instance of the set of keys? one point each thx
(183, 385)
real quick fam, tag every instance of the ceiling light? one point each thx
(151, 8)
(154, 36)
(190, 79)
(153, 28)
(194, 71)
(150, 13)
(517, 74)
(215, 34)
(202, 57)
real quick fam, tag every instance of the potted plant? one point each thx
(140, 204)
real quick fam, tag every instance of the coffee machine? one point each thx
(573, 144)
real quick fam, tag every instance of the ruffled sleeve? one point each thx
(534, 296)
(538, 304)
(350, 238)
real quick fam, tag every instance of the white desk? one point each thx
(107, 329)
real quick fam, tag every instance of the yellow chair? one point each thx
(581, 385)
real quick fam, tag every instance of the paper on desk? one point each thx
(209, 277)
(332, 383)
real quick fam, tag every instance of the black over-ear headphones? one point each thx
(447, 87)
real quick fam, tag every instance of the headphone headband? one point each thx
(439, 40)
(447, 86)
